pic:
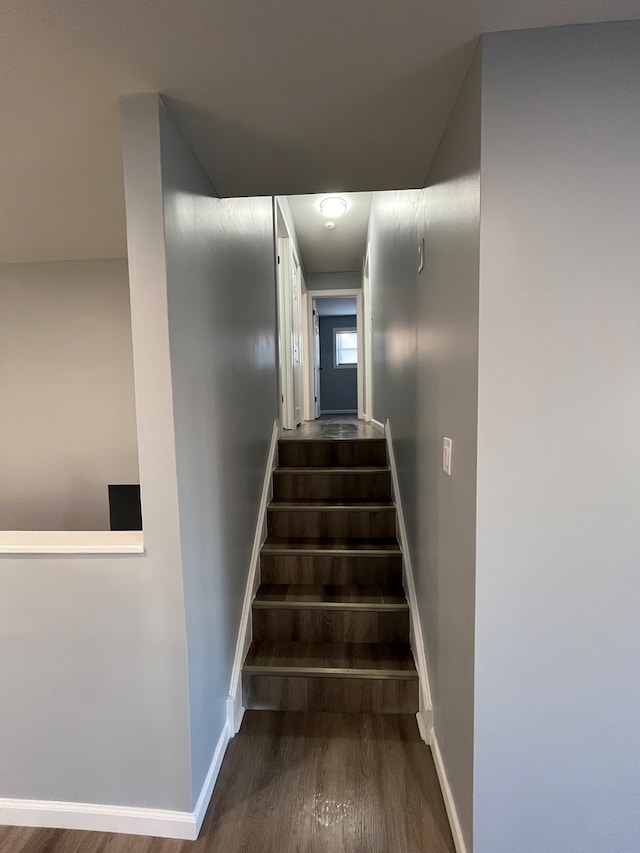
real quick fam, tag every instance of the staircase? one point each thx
(330, 619)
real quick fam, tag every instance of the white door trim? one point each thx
(367, 337)
(297, 338)
(284, 265)
(360, 323)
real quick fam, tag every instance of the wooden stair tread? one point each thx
(338, 660)
(298, 439)
(335, 469)
(330, 596)
(335, 546)
(329, 505)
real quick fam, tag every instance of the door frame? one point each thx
(360, 325)
(283, 304)
(311, 391)
(367, 337)
(297, 337)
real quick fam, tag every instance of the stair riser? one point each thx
(358, 569)
(334, 454)
(340, 695)
(317, 524)
(342, 626)
(332, 486)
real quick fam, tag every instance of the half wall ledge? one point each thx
(71, 542)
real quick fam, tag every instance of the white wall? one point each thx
(333, 280)
(222, 320)
(67, 417)
(558, 581)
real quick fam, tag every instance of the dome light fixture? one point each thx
(329, 226)
(333, 206)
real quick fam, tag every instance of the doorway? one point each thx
(322, 274)
(336, 369)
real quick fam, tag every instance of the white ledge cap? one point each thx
(71, 542)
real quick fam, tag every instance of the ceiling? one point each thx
(339, 306)
(339, 250)
(281, 97)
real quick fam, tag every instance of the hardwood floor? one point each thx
(299, 783)
(333, 426)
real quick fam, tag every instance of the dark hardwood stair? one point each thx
(343, 677)
(324, 483)
(333, 453)
(317, 519)
(331, 561)
(324, 613)
(330, 619)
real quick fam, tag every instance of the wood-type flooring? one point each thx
(299, 783)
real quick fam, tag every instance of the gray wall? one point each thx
(558, 586)
(425, 345)
(393, 238)
(67, 417)
(447, 406)
(107, 696)
(93, 659)
(333, 280)
(221, 300)
(338, 385)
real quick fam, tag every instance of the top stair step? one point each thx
(331, 453)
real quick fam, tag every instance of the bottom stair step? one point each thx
(342, 677)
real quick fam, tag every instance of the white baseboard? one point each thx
(425, 714)
(208, 785)
(161, 823)
(235, 713)
(377, 424)
(91, 816)
(424, 718)
(447, 795)
(235, 710)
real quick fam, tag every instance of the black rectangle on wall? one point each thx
(125, 512)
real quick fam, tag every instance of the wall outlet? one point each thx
(447, 445)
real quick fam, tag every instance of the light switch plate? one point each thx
(447, 445)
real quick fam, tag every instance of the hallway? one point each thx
(332, 427)
(299, 783)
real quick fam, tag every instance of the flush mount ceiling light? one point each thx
(329, 226)
(333, 206)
